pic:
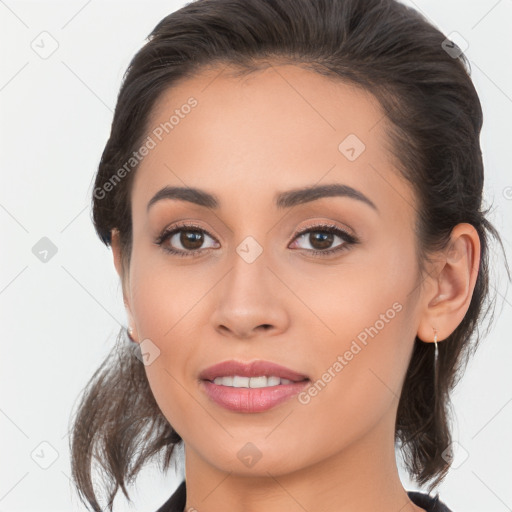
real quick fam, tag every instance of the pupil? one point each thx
(325, 240)
(194, 241)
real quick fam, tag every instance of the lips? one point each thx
(252, 369)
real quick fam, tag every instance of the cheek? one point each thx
(359, 373)
(165, 295)
(361, 297)
(167, 302)
(365, 337)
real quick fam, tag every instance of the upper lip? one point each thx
(250, 369)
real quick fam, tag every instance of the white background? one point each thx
(59, 318)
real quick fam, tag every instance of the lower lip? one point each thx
(251, 399)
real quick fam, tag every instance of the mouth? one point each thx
(254, 374)
(251, 387)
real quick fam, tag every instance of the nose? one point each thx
(250, 300)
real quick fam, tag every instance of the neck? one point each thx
(362, 477)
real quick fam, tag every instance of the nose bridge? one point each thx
(247, 298)
(248, 281)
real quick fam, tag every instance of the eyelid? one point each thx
(183, 225)
(322, 223)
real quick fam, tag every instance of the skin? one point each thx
(248, 139)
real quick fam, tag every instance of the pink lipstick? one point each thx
(251, 387)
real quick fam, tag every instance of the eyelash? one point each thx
(348, 239)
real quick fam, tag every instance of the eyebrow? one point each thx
(285, 199)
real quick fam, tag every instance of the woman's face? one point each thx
(344, 316)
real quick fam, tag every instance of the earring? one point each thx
(436, 354)
(130, 334)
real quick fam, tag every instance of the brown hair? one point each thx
(435, 119)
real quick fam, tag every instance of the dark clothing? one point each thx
(176, 503)
(429, 503)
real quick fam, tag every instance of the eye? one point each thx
(190, 237)
(321, 238)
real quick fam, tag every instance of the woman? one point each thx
(292, 191)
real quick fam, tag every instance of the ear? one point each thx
(121, 271)
(450, 287)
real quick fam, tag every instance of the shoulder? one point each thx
(428, 502)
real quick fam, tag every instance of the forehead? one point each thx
(268, 130)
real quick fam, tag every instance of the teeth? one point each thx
(240, 382)
(250, 382)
